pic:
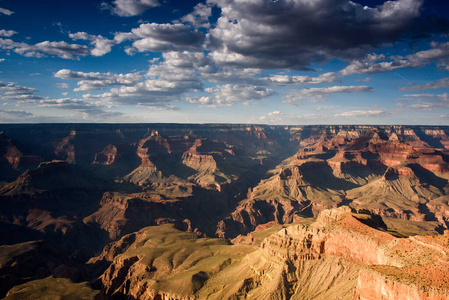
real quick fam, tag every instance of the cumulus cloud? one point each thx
(367, 79)
(96, 81)
(211, 72)
(85, 108)
(120, 37)
(442, 83)
(293, 33)
(62, 85)
(15, 116)
(275, 113)
(166, 37)
(12, 91)
(318, 94)
(374, 63)
(228, 95)
(426, 101)
(200, 16)
(286, 80)
(164, 82)
(59, 49)
(7, 33)
(6, 11)
(101, 44)
(129, 8)
(361, 113)
(369, 66)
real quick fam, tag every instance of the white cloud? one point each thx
(370, 64)
(165, 82)
(366, 80)
(59, 49)
(442, 83)
(275, 113)
(288, 119)
(16, 116)
(6, 11)
(200, 16)
(211, 72)
(12, 91)
(361, 113)
(62, 85)
(444, 96)
(129, 8)
(423, 106)
(166, 37)
(120, 37)
(228, 95)
(426, 101)
(286, 80)
(85, 108)
(7, 33)
(96, 80)
(101, 44)
(318, 94)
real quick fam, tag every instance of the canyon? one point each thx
(224, 211)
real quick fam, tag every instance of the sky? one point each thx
(280, 62)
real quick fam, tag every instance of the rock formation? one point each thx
(314, 212)
(337, 257)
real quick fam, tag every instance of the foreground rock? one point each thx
(336, 257)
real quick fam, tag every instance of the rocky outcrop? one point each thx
(373, 285)
(283, 198)
(148, 263)
(296, 242)
(107, 156)
(337, 257)
(152, 145)
(54, 175)
(391, 269)
(122, 214)
(215, 163)
(14, 158)
(65, 150)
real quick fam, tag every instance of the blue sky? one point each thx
(225, 61)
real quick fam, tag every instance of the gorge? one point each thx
(224, 211)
